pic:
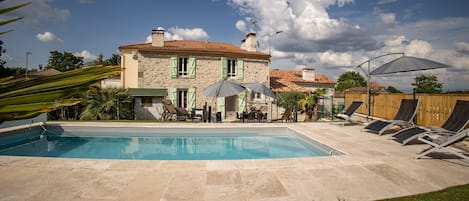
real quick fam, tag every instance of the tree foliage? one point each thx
(290, 99)
(349, 80)
(64, 61)
(310, 105)
(28, 98)
(427, 84)
(107, 104)
(114, 60)
(393, 90)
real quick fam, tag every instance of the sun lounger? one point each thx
(347, 114)
(456, 122)
(403, 118)
(169, 111)
(444, 143)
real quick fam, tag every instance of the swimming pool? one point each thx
(162, 143)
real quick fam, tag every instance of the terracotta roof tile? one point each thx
(198, 47)
(286, 80)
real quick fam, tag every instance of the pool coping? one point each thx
(374, 168)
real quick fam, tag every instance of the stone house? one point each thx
(181, 69)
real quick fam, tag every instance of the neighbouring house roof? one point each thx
(202, 48)
(44, 73)
(147, 92)
(290, 80)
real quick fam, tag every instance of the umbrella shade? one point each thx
(259, 88)
(223, 89)
(406, 64)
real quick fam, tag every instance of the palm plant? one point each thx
(106, 104)
(310, 105)
(20, 99)
(9, 9)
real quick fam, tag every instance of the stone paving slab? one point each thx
(373, 167)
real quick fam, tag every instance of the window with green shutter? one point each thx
(241, 102)
(221, 106)
(224, 66)
(174, 66)
(240, 72)
(172, 95)
(192, 67)
(191, 94)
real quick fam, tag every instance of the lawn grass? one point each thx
(455, 193)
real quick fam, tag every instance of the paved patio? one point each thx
(373, 168)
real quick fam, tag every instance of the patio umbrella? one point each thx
(223, 88)
(406, 64)
(259, 88)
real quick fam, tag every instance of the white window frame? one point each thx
(231, 68)
(182, 67)
(182, 98)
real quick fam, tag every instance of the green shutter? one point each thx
(174, 67)
(240, 72)
(221, 106)
(192, 64)
(241, 102)
(191, 94)
(172, 94)
(224, 67)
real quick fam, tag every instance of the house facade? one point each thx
(180, 70)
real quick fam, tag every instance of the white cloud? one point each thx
(38, 10)
(87, 56)
(462, 47)
(176, 33)
(48, 37)
(388, 18)
(241, 26)
(330, 58)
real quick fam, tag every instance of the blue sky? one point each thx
(331, 36)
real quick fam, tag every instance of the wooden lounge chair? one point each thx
(456, 122)
(286, 116)
(403, 118)
(347, 114)
(169, 111)
(182, 114)
(443, 142)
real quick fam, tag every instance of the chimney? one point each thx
(157, 37)
(308, 74)
(250, 42)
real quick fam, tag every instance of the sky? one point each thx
(331, 36)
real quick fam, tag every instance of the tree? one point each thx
(427, 84)
(114, 60)
(290, 99)
(310, 105)
(107, 104)
(28, 98)
(393, 90)
(350, 79)
(64, 61)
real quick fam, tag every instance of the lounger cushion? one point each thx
(406, 134)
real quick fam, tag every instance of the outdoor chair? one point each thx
(286, 116)
(456, 122)
(197, 114)
(169, 111)
(443, 142)
(182, 114)
(347, 114)
(403, 118)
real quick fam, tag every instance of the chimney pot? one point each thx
(157, 37)
(309, 74)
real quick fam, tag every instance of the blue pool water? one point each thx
(162, 144)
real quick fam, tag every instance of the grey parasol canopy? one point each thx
(223, 88)
(259, 88)
(406, 64)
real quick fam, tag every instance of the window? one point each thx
(182, 98)
(182, 67)
(256, 96)
(147, 101)
(231, 68)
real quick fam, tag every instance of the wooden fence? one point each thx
(433, 109)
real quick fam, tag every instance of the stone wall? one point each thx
(155, 70)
